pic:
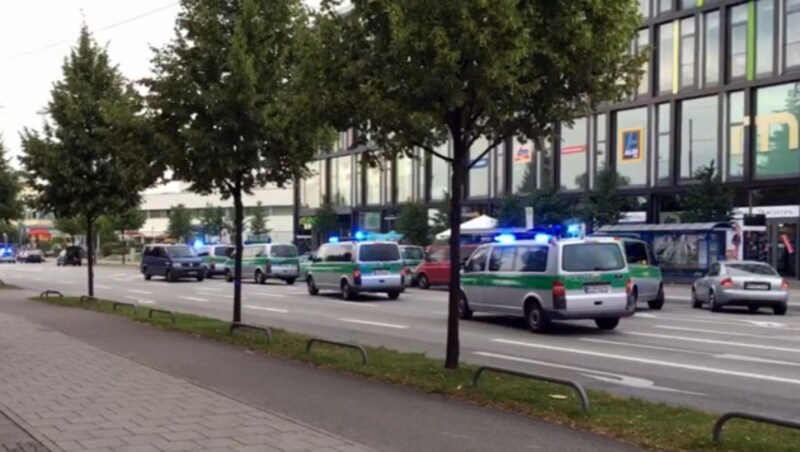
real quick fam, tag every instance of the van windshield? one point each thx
(378, 252)
(180, 251)
(412, 253)
(592, 257)
(284, 251)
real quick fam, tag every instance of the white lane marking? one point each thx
(261, 308)
(265, 294)
(139, 300)
(143, 292)
(679, 297)
(207, 289)
(654, 362)
(367, 322)
(69, 283)
(119, 275)
(99, 286)
(766, 324)
(623, 380)
(647, 347)
(440, 312)
(721, 333)
(200, 300)
(645, 315)
(716, 342)
(752, 359)
(350, 303)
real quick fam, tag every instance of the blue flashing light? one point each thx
(505, 238)
(198, 243)
(333, 239)
(574, 229)
(542, 238)
(359, 235)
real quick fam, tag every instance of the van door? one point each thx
(473, 277)
(159, 261)
(501, 284)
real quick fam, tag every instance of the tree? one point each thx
(604, 204)
(10, 205)
(131, 220)
(180, 224)
(511, 213)
(549, 206)
(9, 233)
(229, 110)
(258, 222)
(707, 200)
(441, 219)
(94, 155)
(70, 226)
(213, 221)
(408, 74)
(413, 223)
(326, 222)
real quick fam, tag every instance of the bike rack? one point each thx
(357, 347)
(169, 313)
(47, 293)
(561, 381)
(87, 299)
(119, 303)
(717, 433)
(266, 330)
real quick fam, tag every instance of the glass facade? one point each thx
(699, 134)
(372, 184)
(735, 126)
(666, 54)
(777, 125)
(341, 180)
(500, 170)
(791, 38)
(663, 147)
(664, 6)
(631, 136)
(574, 147)
(737, 30)
(310, 194)
(642, 41)
(687, 52)
(523, 167)
(765, 37)
(479, 173)
(711, 48)
(440, 174)
(600, 143)
(644, 8)
(405, 179)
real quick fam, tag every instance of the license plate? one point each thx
(380, 272)
(756, 286)
(595, 289)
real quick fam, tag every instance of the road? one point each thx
(714, 361)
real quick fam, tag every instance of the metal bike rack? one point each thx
(87, 299)
(561, 381)
(119, 303)
(357, 347)
(47, 293)
(169, 313)
(750, 417)
(266, 330)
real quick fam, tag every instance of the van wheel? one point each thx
(464, 312)
(228, 275)
(535, 317)
(290, 281)
(658, 303)
(201, 278)
(168, 276)
(607, 324)
(393, 294)
(147, 275)
(423, 282)
(312, 288)
(260, 278)
(347, 291)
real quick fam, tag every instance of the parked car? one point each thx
(435, 268)
(31, 257)
(412, 256)
(172, 262)
(741, 283)
(214, 258)
(357, 267)
(71, 255)
(7, 255)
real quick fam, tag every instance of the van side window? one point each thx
(159, 252)
(259, 252)
(636, 253)
(322, 253)
(502, 259)
(531, 259)
(477, 263)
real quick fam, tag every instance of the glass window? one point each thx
(341, 180)
(592, 257)
(686, 4)
(631, 146)
(664, 6)
(373, 184)
(387, 195)
(601, 143)
(636, 253)
(502, 259)
(180, 251)
(699, 137)
(479, 174)
(777, 128)
(711, 48)
(644, 8)
(791, 46)
(283, 251)
(523, 167)
(735, 121)
(531, 259)
(687, 52)
(663, 147)
(499, 170)
(642, 41)
(749, 269)
(665, 57)
(310, 187)
(477, 263)
(412, 252)
(440, 174)
(545, 162)
(223, 251)
(573, 155)
(378, 252)
(405, 179)
(737, 61)
(765, 35)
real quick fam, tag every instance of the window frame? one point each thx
(783, 13)
(503, 250)
(481, 252)
(694, 53)
(720, 50)
(729, 32)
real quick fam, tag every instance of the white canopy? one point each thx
(476, 224)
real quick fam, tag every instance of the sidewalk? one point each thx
(81, 380)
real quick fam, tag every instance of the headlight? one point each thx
(177, 264)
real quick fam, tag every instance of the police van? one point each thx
(267, 261)
(353, 267)
(645, 273)
(546, 279)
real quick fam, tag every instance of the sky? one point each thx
(36, 36)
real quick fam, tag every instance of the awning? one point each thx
(480, 223)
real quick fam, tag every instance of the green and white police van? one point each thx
(357, 267)
(267, 261)
(545, 279)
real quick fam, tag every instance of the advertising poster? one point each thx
(632, 142)
(678, 250)
(522, 154)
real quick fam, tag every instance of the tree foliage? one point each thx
(230, 113)
(549, 206)
(707, 200)
(180, 224)
(413, 223)
(259, 220)
(604, 204)
(213, 220)
(326, 222)
(441, 219)
(94, 154)
(511, 213)
(10, 204)
(70, 226)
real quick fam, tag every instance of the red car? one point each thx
(435, 269)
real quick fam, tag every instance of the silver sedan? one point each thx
(741, 283)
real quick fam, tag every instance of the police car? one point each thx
(544, 279)
(353, 267)
(267, 261)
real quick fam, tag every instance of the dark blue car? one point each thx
(172, 262)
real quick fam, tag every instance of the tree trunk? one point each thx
(238, 225)
(456, 192)
(90, 255)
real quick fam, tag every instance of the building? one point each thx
(157, 202)
(722, 85)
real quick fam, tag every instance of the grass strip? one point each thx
(642, 423)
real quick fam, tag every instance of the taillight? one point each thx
(784, 284)
(629, 286)
(357, 276)
(727, 282)
(559, 295)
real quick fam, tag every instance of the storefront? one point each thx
(775, 241)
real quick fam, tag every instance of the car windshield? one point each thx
(412, 253)
(180, 251)
(592, 257)
(284, 251)
(223, 251)
(750, 269)
(378, 252)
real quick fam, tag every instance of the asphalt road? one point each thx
(726, 361)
